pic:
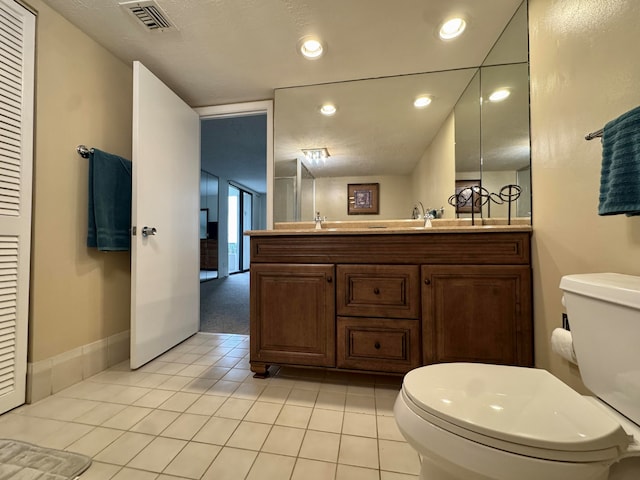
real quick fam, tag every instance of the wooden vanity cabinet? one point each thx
(292, 315)
(477, 313)
(390, 302)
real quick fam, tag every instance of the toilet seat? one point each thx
(519, 410)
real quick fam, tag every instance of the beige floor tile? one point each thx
(179, 401)
(206, 405)
(124, 448)
(349, 472)
(230, 464)
(95, 441)
(60, 408)
(274, 394)
(329, 400)
(151, 380)
(131, 473)
(154, 398)
(214, 372)
(155, 422)
(358, 451)
(217, 431)
(326, 420)
(398, 457)
(207, 359)
(175, 383)
(271, 467)
(359, 424)
(100, 471)
(100, 414)
(388, 429)
(249, 391)
(384, 405)
(223, 388)
(322, 446)
(170, 368)
(360, 404)
(228, 362)
(199, 385)
(129, 395)
(263, 412)
(284, 441)
(249, 435)
(192, 370)
(237, 375)
(185, 426)
(127, 417)
(397, 476)
(302, 397)
(313, 470)
(294, 416)
(360, 390)
(65, 436)
(193, 460)
(234, 408)
(157, 455)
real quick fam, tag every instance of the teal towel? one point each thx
(109, 202)
(620, 176)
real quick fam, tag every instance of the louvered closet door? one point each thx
(17, 35)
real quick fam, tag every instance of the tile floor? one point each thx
(196, 412)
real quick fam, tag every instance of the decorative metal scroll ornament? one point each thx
(476, 197)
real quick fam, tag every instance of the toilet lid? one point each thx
(519, 406)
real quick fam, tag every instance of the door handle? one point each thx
(146, 231)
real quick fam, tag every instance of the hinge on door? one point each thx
(133, 230)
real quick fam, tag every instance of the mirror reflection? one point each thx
(416, 155)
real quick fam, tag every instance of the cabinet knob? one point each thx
(376, 291)
(329, 279)
(427, 281)
(377, 345)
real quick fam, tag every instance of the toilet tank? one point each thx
(604, 317)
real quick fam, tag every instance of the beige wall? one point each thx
(433, 179)
(584, 72)
(83, 96)
(395, 197)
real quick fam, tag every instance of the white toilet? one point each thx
(494, 422)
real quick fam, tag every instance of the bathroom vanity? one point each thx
(390, 297)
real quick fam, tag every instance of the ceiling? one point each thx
(228, 51)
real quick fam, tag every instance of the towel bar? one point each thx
(83, 151)
(592, 135)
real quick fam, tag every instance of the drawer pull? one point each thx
(377, 345)
(427, 281)
(329, 279)
(376, 291)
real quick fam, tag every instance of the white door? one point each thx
(165, 286)
(17, 39)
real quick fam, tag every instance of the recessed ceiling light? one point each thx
(452, 28)
(328, 109)
(311, 47)
(422, 101)
(499, 95)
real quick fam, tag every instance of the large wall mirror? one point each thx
(415, 155)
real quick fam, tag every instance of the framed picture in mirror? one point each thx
(363, 198)
(464, 196)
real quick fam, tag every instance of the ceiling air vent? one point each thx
(149, 13)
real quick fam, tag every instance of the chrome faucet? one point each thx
(318, 221)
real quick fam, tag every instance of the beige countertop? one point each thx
(386, 227)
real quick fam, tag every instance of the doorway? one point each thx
(231, 145)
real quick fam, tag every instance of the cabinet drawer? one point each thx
(384, 345)
(386, 291)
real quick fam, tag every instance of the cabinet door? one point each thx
(292, 315)
(477, 314)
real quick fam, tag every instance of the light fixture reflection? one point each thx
(422, 101)
(499, 95)
(452, 28)
(316, 155)
(328, 109)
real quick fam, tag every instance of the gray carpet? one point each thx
(224, 305)
(24, 461)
